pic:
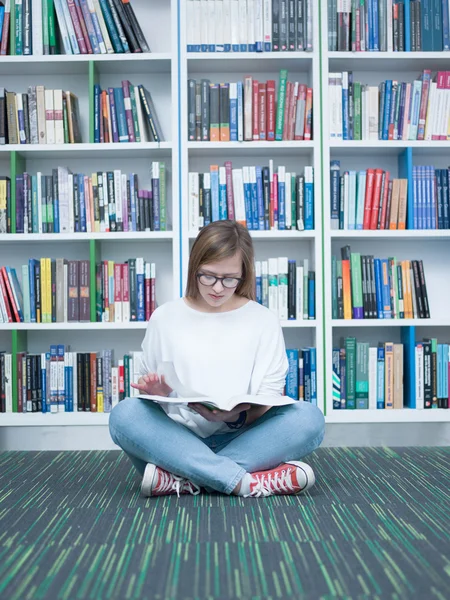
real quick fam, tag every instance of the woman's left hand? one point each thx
(226, 416)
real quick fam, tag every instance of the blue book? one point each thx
(335, 169)
(386, 289)
(445, 193)
(214, 194)
(312, 352)
(56, 210)
(247, 197)
(121, 115)
(307, 374)
(292, 376)
(258, 279)
(281, 198)
(387, 109)
(133, 203)
(336, 380)
(311, 295)
(260, 198)
(369, 7)
(445, 26)
(97, 92)
(254, 198)
(421, 187)
(427, 198)
(82, 202)
(66, 389)
(432, 191)
(44, 383)
(2, 17)
(415, 193)
(233, 113)
(140, 291)
(110, 25)
(70, 387)
(446, 361)
(380, 377)
(240, 110)
(379, 288)
(61, 390)
(437, 26)
(309, 198)
(223, 208)
(376, 35)
(345, 135)
(31, 270)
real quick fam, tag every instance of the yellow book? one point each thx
(389, 375)
(3, 212)
(48, 267)
(43, 276)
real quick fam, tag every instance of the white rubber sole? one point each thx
(309, 474)
(148, 480)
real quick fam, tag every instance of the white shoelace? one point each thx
(267, 485)
(170, 482)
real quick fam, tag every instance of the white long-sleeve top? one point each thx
(229, 353)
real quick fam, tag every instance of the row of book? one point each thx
(61, 380)
(367, 199)
(65, 202)
(431, 198)
(366, 377)
(58, 291)
(364, 287)
(432, 372)
(381, 25)
(286, 289)
(84, 27)
(39, 116)
(393, 110)
(249, 110)
(249, 25)
(125, 114)
(260, 198)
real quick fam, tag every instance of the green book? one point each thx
(356, 279)
(162, 197)
(357, 111)
(350, 372)
(279, 123)
(52, 28)
(362, 375)
(18, 21)
(65, 121)
(45, 28)
(126, 376)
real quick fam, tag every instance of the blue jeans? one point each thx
(147, 435)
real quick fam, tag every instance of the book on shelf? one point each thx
(365, 287)
(393, 110)
(52, 290)
(286, 289)
(249, 110)
(102, 202)
(39, 116)
(249, 25)
(70, 27)
(366, 377)
(261, 198)
(430, 197)
(382, 25)
(368, 199)
(301, 380)
(432, 370)
(125, 114)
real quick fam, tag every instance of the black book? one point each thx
(266, 196)
(118, 23)
(351, 106)
(340, 297)
(38, 385)
(3, 117)
(412, 25)
(423, 290)
(365, 283)
(2, 383)
(214, 112)
(291, 24)
(198, 111)
(31, 407)
(53, 286)
(401, 306)
(224, 109)
(300, 25)
(87, 382)
(283, 25)
(134, 24)
(201, 199)
(275, 25)
(418, 290)
(80, 381)
(401, 27)
(34, 382)
(26, 118)
(207, 207)
(76, 204)
(292, 289)
(191, 110)
(205, 109)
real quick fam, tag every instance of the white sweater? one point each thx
(229, 353)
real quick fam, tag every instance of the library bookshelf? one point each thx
(165, 71)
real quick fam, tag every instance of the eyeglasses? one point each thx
(210, 280)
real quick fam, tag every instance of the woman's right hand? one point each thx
(152, 385)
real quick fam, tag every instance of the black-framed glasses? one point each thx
(210, 280)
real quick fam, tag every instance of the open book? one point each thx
(186, 396)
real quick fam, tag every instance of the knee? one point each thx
(309, 418)
(121, 415)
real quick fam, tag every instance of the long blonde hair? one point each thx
(217, 241)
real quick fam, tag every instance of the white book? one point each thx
(248, 109)
(63, 27)
(360, 202)
(211, 23)
(431, 112)
(19, 108)
(239, 199)
(114, 386)
(273, 285)
(190, 20)
(218, 19)
(389, 28)
(106, 200)
(70, 27)
(58, 116)
(66, 292)
(95, 21)
(63, 175)
(373, 366)
(420, 394)
(41, 115)
(243, 24)
(267, 18)
(8, 383)
(37, 31)
(118, 199)
(227, 25)
(71, 208)
(251, 24)
(142, 127)
(283, 288)
(288, 188)
(193, 199)
(352, 200)
(305, 288)
(373, 112)
(234, 12)
(259, 25)
(299, 293)
(203, 25)
(101, 20)
(49, 117)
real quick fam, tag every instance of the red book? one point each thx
(93, 385)
(5, 33)
(229, 184)
(255, 109)
(77, 26)
(262, 113)
(153, 288)
(275, 201)
(308, 114)
(293, 111)
(271, 110)
(106, 290)
(368, 198)
(287, 109)
(118, 292)
(125, 294)
(12, 312)
(376, 199)
(385, 201)
(426, 78)
(83, 28)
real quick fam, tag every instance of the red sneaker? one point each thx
(292, 477)
(157, 482)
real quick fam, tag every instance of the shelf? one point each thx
(53, 419)
(387, 61)
(126, 236)
(113, 150)
(394, 145)
(250, 148)
(386, 234)
(67, 64)
(406, 415)
(277, 235)
(248, 62)
(390, 323)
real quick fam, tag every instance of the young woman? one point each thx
(220, 341)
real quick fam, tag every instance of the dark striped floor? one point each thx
(376, 526)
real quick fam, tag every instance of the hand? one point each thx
(152, 385)
(225, 416)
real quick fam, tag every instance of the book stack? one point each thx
(301, 380)
(260, 198)
(125, 114)
(249, 25)
(367, 199)
(65, 202)
(125, 291)
(364, 287)
(432, 371)
(366, 377)
(40, 116)
(249, 110)
(286, 289)
(393, 110)
(431, 200)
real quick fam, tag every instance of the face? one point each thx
(217, 297)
